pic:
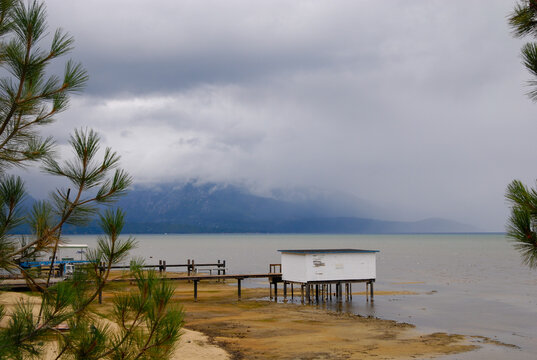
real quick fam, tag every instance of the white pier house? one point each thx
(316, 270)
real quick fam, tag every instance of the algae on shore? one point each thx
(254, 329)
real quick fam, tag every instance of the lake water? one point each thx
(466, 284)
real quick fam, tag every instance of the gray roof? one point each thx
(327, 251)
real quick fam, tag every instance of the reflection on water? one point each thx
(366, 309)
(468, 284)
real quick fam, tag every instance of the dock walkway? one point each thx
(273, 278)
(22, 284)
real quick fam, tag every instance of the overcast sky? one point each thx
(416, 106)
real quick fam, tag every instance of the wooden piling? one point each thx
(196, 290)
(285, 290)
(372, 292)
(292, 293)
(335, 291)
(239, 288)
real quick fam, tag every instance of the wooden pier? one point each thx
(195, 279)
(22, 284)
(313, 291)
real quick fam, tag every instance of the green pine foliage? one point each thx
(145, 325)
(522, 223)
(523, 21)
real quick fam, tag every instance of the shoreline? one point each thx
(218, 326)
(255, 329)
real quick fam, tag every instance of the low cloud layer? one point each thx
(416, 106)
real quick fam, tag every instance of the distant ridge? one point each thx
(350, 225)
(217, 208)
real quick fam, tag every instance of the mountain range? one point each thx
(218, 208)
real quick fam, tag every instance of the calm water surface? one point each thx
(466, 284)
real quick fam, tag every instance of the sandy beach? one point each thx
(192, 344)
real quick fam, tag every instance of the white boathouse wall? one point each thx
(328, 266)
(294, 267)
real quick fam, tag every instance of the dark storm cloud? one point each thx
(154, 47)
(417, 106)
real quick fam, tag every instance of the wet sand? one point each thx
(259, 329)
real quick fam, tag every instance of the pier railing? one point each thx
(191, 267)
